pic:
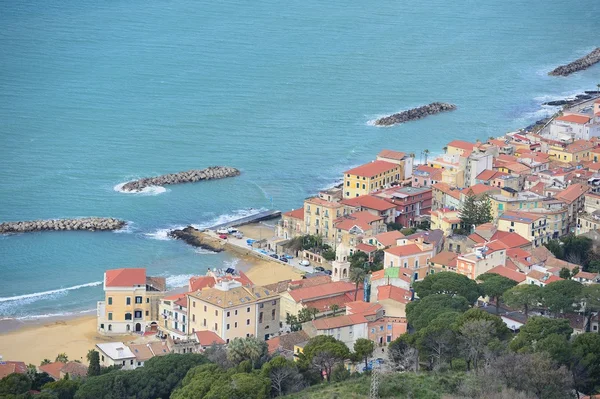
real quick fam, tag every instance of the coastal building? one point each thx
(410, 254)
(345, 328)
(411, 203)
(372, 204)
(445, 196)
(512, 200)
(393, 300)
(426, 176)
(531, 225)
(370, 177)
(577, 151)
(404, 161)
(445, 219)
(131, 302)
(392, 276)
(284, 344)
(574, 198)
(146, 351)
(320, 297)
(387, 329)
(173, 316)
(351, 230)
(481, 260)
(11, 367)
(291, 224)
(319, 216)
(386, 240)
(540, 278)
(231, 310)
(574, 126)
(459, 147)
(116, 354)
(477, 162)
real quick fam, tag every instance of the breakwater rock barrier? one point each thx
(89, 224)
(210, 173)
(415, 113)
(196, 238)
(577, 65)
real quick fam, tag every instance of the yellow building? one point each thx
(231, 310)
(445, 219)
(291, 224)
(351, 230)
(131, 302)
(577, 151)
(532, 226)
(319, 215)
(411, 255)
(454, 176)
(459, 147)
(404, 161)
(370, 177)
(512, 200)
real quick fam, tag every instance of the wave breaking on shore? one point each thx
(149, 190)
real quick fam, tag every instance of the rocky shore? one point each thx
(577, 65)
(193, 237)
(89, 224)
(415, 113)
(211, 173)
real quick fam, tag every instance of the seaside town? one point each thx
(414, 262)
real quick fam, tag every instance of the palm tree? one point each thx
(62, 357)
(357, 276)
(426, 153)
(334, 308)
(445, 149)
(598, 86)
(45, 361)
(412, 155)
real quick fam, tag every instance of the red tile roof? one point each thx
(479, 189)
(181, 302)
(362, 307)
(489, 174)
(552, 279)
(370, 202)
(360, 219)
(445, 258)
(125, 277)
(579, 119)
(396, 155)
(323, 290)
(366, 248)
(74, 369)
(309, 282)
(572, 192)
(8, 367)
(389, 238)
(207, 338)
(511, 240)
(587, 275)
(405, 250)
(53, 369)
(372, 169)
(339, 321)
(175, 297)
(477, 238)
(394, 293)
(508, 273)
(325, 304)
(463, 145)
(197, 283)
(322, 202)
(295, 213)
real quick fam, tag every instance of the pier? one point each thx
(258, 217)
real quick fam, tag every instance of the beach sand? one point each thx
(257, 231)
(35, 342)
(263, 272)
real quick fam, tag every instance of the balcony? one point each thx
(101, 309)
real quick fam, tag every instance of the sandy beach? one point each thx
(257, 231)
(35, 342)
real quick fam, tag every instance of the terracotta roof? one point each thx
(320, 291)
(325, 304)
(393, 272)
(181, 302)
(489, 174)
(159, 348)
(579, 119)
(8, 367)
(511, 240)
(463, 145)
(552, 279)
(508, 273)
(197, 283)
(295, 213)
(53, 369)
(207, 338)
(360, 219)
(339, 321)
(372, 169)
(125, 277)
(362, 307)
(445, 258)
(516, 167)
(322, 202)
(587, 275)
(287, 341)
(477, 238)
(479, 189)
(366, 248)
(141, 351)
(521, 217)
(310, 282)
(537, 275)
(572, 192)
(396, 155)
(370, 202)
(389, 238)
(406, 250)
(234, 296)
(394, 293)
(579, 145)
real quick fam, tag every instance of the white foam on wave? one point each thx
(162, 234)
(229, 217)
(49, 293)
(127, 229)
(202, 251)
(180, 280)
(57, 315)
(150, 190)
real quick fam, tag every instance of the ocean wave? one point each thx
(229, 217)
(43, 294)
(150, 190)
(50, 315)
(202, 251)
(127, 229)
(180, 280)
(162, 234)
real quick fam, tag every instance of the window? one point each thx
(139, 364)
(194, 318)
(228, 313)
(247, 310)
(380, 328)
(389, 326)
(216, 327)
(148, 314)
(204, 324)
(216, 312)
(273, 314)
(235, 324)
(147, 300)
(131, 362)
(137, 314)
(247, 322)
(347, 184)
(109, 315)
(139, 299)
(274, 302)
(102, 357)
(372, 331)
(235, 313)
(102, 326)
(262, 305)
(128, 301)
(110, 300)
(205, 308)
(364, 187)
(127, 316)
(228, 326)
(260, 317)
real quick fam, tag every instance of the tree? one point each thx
(590, 296)
(499, 331)
(585, 365)
(420, 313)
(562, 296)
(357, 276)
(334, 308)
(64, 389)
(402, 354)
(284, 375)
(307, 314)
(364, 349)
(94, 363)
(426, 154)
(14, 384)
(494, 286)
(555, 246)
(328, 255)
(475, 211)
(437, 341)
(62, 357)
(293, 322)
(474, 337)
(536, 329)
(564, 273)
(448, 283)
(45, 361)
(324, 352)
(523, 297)
(249, 348)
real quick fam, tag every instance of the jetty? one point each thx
(577, 65)
(415, 113)
(190, 176)
(258, 217)
(89, 224)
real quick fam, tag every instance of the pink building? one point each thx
(411, 203)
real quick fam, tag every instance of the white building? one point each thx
(116, 354)
(574, 126)
(346, 328)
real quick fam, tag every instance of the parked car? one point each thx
(328, 272)
(275, 256)
(232, 230)
(238, 235)
(223, 236)
(304, 263)
(320, 268)
(283, 259)
(222, 231)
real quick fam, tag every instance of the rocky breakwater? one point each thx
(89, 224)
(415, 113)
(577, 65)
(196, 238)
(211, 173)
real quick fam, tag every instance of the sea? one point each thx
(97, 93)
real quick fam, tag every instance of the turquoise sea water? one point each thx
(93, 94)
